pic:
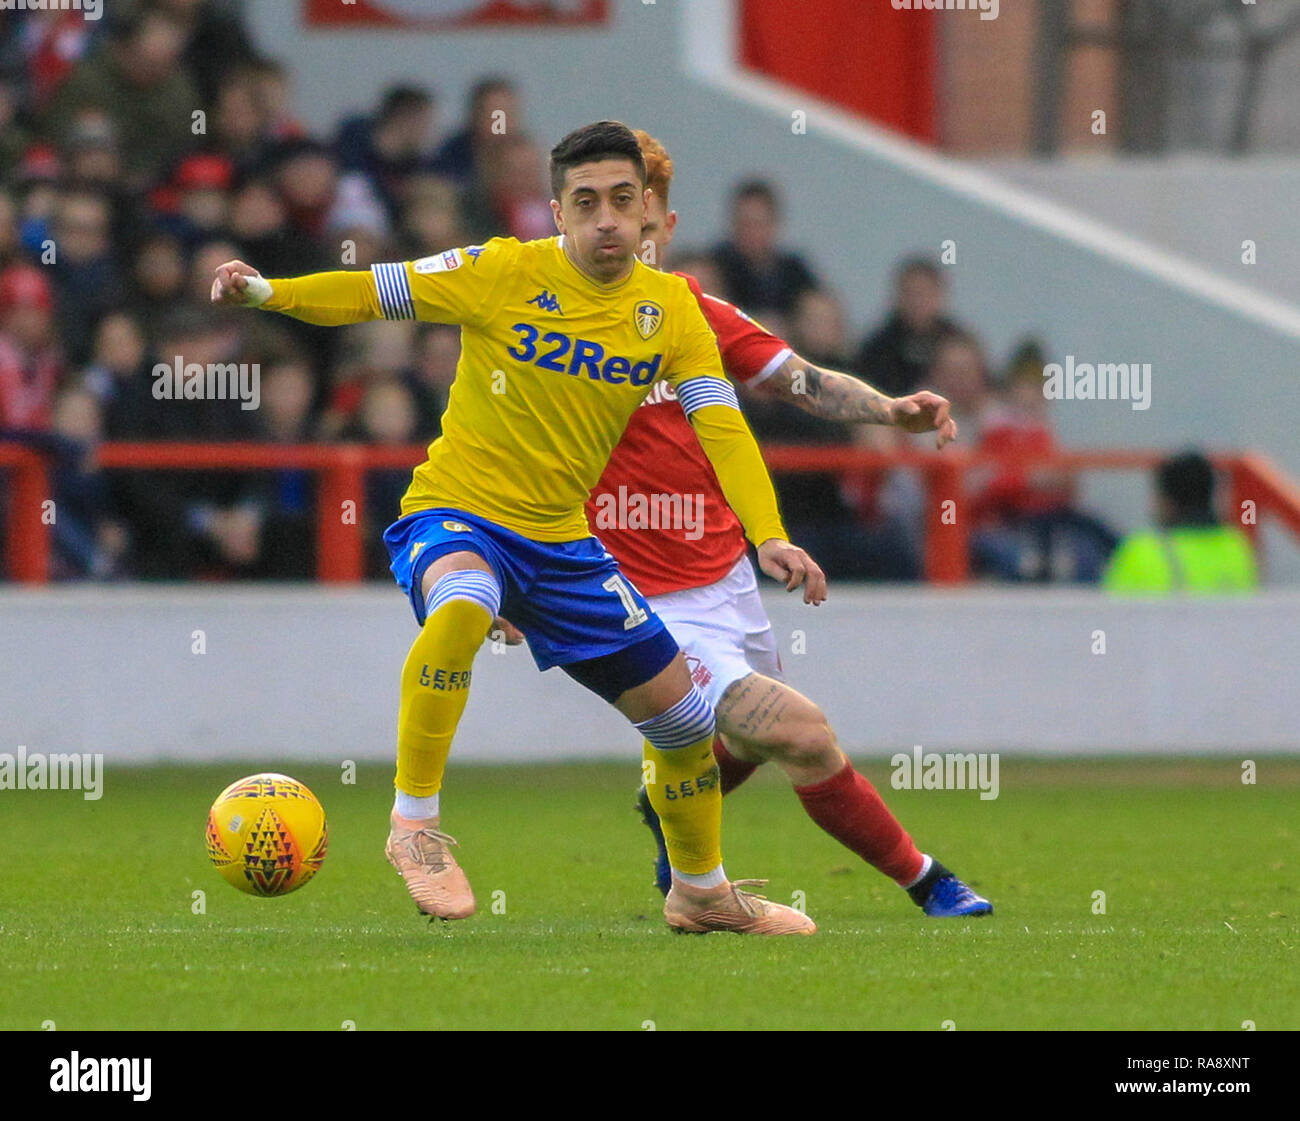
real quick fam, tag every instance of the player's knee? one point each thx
(807, 741)
(460, 609)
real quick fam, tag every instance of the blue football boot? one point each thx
(663, 871)
(941, 895)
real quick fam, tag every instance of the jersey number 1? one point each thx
(635, 615)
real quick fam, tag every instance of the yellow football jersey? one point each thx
(552, 366)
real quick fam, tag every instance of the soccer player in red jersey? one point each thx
(659, 510)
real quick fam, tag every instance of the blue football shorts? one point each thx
(568, 597)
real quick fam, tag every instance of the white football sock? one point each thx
(715, 878)
(415, 809)
(926, 865)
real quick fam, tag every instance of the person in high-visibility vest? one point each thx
(1190, 550)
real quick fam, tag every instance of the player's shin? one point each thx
(435, 684)
(681, 778)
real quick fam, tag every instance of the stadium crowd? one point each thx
(117, 205)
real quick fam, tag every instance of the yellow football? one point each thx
(266, 834)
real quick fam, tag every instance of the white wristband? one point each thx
(258, 291)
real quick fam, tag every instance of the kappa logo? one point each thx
(546, 301)
(474, 252)
(415, 549)
(648, 317)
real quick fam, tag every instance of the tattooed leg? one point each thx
(763, 719)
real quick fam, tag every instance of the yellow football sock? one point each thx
(435, 687)
(686, 794)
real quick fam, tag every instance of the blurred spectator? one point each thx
(705, 269)
(288, 494)
(817, 329)
(92, 162)
(275, 95)
(118, 373)
(93, 159)
(512, 196)
(38, 191)
(10, 246)
(216, 42)
(1017, 423)
(432, 219)
(897, 357)
(357, 223)
(761, 277)
(1190, 550)
(241, 127)
(288, 395)
(87, 541)
(139, 80)
(387, 416)
(14, 137)
(51, 43)
(392, 146)
(31, 365)
(494, 112)
(159, 272)
(958, 371)
(373, 352)
(259, 222)
(431, 379)
(307, 177)
(1026, 524)
(87, 274)
(188, 521)
(194, 204)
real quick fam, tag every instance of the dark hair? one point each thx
(757, 189)
(603, 140)
(398, 100)
(909, 266)
(484, 86)
(1187, 481)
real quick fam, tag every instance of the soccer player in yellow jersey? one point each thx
(562, 339)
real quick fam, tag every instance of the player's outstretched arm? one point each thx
(832, 395)
(327, 299)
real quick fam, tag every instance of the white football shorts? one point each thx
(722, 629)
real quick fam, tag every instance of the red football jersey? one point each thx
(659, 508)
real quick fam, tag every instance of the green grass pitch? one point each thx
(1200, 930)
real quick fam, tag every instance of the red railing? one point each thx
(342, 468)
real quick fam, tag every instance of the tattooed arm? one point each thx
(835, 396)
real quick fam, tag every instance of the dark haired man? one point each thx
(1189, 550)
(760, 276)
(896, 358)
(562, 339)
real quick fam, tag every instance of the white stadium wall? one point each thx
(304, 673)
